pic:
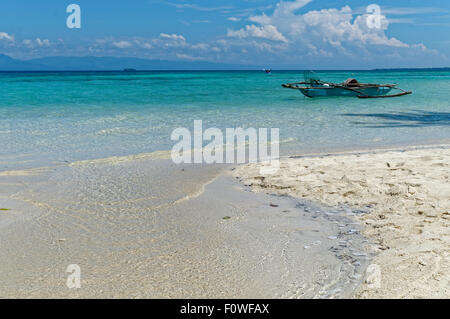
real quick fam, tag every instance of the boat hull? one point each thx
(333, 91)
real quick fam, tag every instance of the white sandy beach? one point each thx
(141, 227)
(408, 193)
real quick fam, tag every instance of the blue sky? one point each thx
(328, 34)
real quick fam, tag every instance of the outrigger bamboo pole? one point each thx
(385, 96)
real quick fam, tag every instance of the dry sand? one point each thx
(408, 193)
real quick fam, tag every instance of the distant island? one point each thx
(124, 64)
(92, 63)
(415, 69)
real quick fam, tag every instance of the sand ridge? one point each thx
(408, 193)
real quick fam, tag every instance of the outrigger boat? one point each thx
(314, 87)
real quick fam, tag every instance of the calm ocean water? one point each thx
(54, 117)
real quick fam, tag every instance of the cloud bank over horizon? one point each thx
(289, 35)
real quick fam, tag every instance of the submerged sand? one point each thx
(408, 194)
(142, 227)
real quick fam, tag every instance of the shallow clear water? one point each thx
(54, 117)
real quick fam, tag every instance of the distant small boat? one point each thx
(129, 70)
(268, 71)
(314, 87)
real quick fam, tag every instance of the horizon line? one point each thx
(227, 70)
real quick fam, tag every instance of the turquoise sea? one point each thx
(58, 117)
(149, 228)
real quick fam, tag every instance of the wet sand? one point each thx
(146, 228)
(408, 194)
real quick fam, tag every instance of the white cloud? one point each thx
(199, 8)
(188, 57)
(325, 30)
(200, 46)
(36, 43)
(411, 11)
(122, 44)
(334, 27)
(143, 44)
(42, 43)
(333, 35)
(172, 36)
(6, 36)
(402, 21)
(289, 7)
(421, 47)
(287, 34)
(268, 32)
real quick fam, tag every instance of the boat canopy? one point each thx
(351, 82)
